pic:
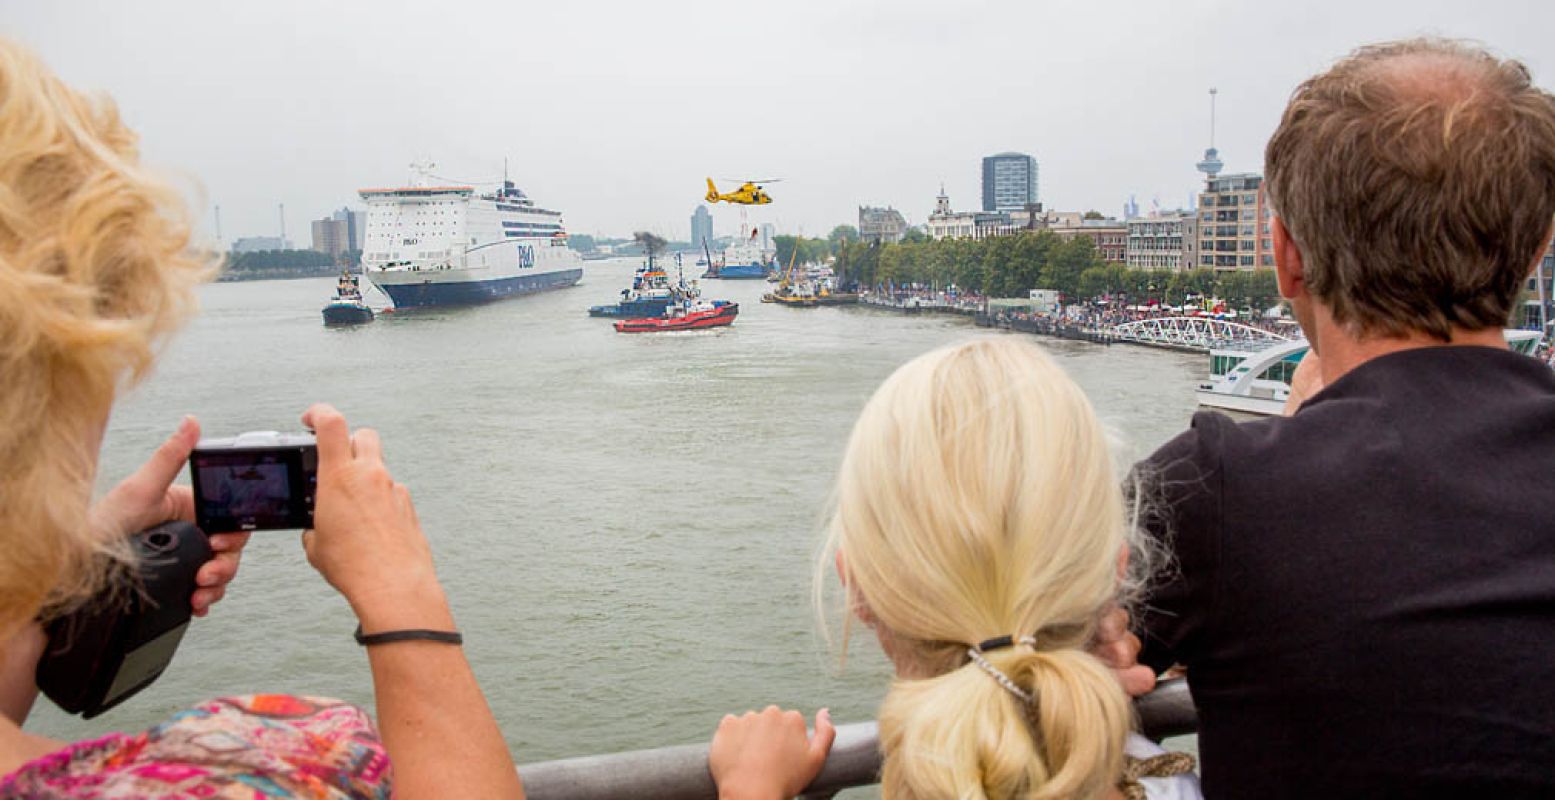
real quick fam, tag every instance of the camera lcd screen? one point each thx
(258, 489)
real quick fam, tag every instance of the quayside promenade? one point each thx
(1193, 333)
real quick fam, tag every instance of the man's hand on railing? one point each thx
(768, 755)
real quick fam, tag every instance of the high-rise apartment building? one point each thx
(1009, 182)
(341, 232)
(701, 227)
(1234, 223)
(331, 236)
(356, 226)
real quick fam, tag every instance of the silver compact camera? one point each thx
(262, 480)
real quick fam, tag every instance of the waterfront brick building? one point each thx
(1110, 236)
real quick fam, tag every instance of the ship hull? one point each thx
(716, 318)
(738, 272)
(638, 309)
(632, 309)
(336, 314)
(1264, 406)
(430, 292)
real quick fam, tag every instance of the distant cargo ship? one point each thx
(432, 245)
(747, 259)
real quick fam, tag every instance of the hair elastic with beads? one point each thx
(975, 652)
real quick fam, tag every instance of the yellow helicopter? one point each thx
(748, 195)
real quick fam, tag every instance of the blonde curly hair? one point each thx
(96, 268)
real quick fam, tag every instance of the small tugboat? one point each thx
(686, 315)
(650, 294)
(347, 308)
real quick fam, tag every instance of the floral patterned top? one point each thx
(259, 747)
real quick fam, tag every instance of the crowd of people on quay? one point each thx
(1359, 593)
(949, 299)
(1097, 315)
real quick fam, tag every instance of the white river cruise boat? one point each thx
(1258, 381)
(432, 245)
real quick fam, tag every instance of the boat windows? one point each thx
(1283, 370)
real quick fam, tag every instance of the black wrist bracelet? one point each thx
(413, 635)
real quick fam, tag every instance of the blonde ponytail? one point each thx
(963, 735)
(978, 499)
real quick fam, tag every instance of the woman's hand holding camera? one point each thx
(366, 539)
(367, 542)
(148, 498)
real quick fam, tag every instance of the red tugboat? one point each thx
(685, 316)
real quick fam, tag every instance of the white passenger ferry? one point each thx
(432, 245)
(1258, 382)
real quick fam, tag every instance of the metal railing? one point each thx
(680, 773)
(1195, 333)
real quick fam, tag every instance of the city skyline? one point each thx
(296, 104)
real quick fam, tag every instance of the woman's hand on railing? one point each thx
(768, 755)
(148, 498)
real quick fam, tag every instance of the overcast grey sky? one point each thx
(614, 112)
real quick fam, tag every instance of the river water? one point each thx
(626, 525)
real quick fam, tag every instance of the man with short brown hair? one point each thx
(1364, 592)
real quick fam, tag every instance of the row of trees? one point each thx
(815, 250)
(1011, 266)
(261, 264)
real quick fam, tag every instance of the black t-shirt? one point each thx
(1364, 593)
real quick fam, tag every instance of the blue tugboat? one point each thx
(650, 295)
(653, 295)
(347, 308)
